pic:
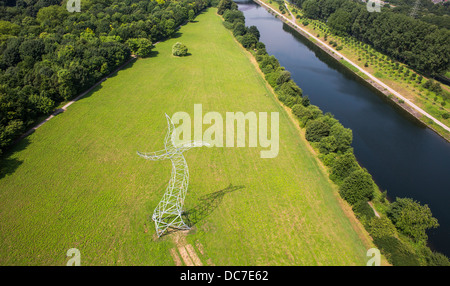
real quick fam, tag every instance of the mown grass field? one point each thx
(77, 182)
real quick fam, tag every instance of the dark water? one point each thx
(404, 157)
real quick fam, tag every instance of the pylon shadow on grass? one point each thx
(208, 203)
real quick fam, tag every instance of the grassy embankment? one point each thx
(77, 181)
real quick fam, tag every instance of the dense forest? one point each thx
(427, 11)
(421, 45)
(48, 55)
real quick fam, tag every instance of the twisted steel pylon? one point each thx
(169, 211)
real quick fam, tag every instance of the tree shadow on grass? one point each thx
(152, 54)
(176, 35)
(9, 165)
(121, 68)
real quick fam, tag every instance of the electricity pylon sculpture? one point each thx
(170, 209)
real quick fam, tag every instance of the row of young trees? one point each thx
(48, 55)
(405, 217)
(421, 45)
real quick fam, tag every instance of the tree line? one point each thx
(401, 233)
(421, 45)
(48, 55)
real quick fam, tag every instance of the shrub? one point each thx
(41, 103)
(179, 50)
(381, 227)
(299, 110)
(397, 252)
(140, 46)
(343, 166)
(327, 159)
(248, 41)
(411, 218)
(315, 111)
(239, 38)
(328, 145)
(290, 88)
(228, 25)
(357, 186)
(269, 60)
(344, 137)
(316, 130)
(329, 119)
(254, 31)
(284, 76)
(305, 101)
(232, 15)
(273, 77)
(261, 52)
(239, 29)
(363, 211)
(225, 5)
(436, 259)
(260, 46)
(267, 69)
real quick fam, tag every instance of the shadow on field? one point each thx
(208, 203)
(176, 35)
(8, 165)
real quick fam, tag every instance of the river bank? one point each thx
(382, 89)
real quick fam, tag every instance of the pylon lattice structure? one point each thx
(168, 213)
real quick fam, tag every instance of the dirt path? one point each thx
(373, 78)
(292, 15)
(374, 211)
(187, 252)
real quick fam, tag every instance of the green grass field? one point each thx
(77, 182)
